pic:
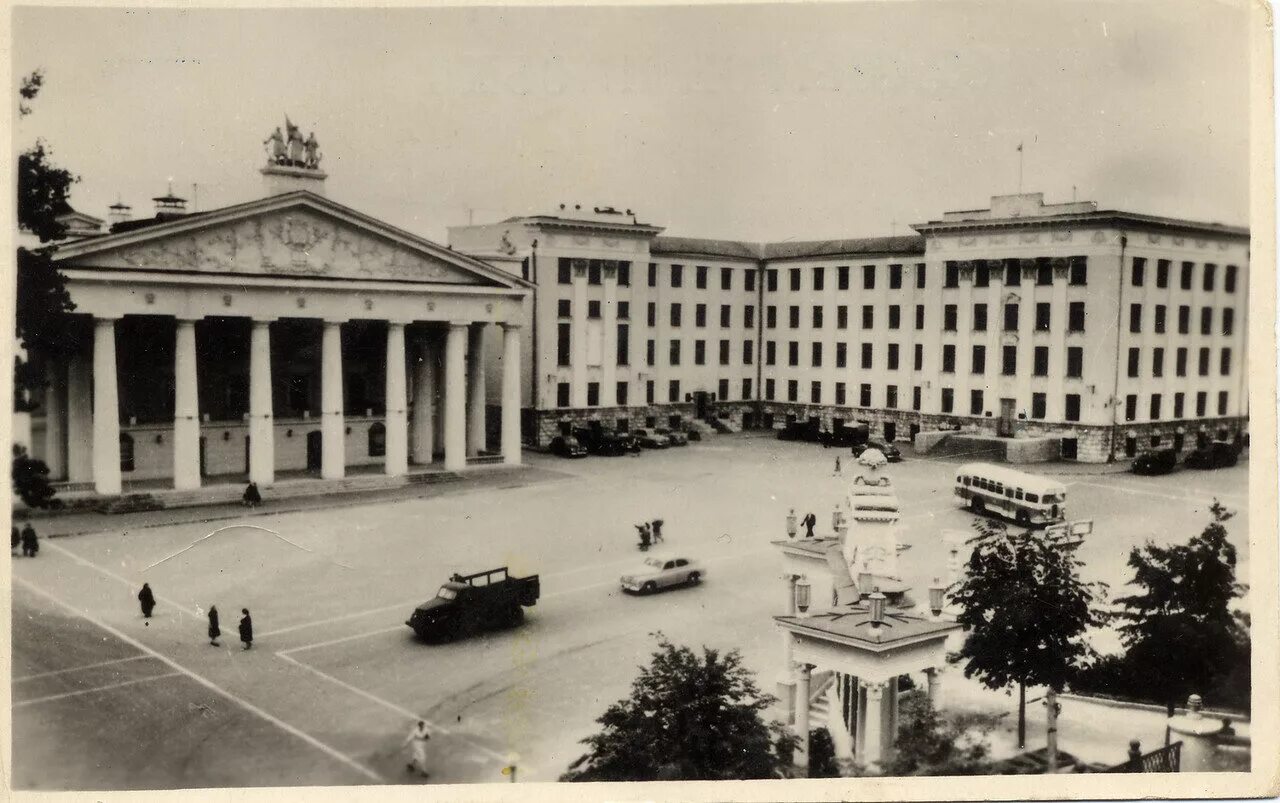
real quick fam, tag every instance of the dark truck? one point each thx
(473, 603)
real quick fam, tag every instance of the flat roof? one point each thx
(853, 623)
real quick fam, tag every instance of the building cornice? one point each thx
(1110, 218)
(82, 273)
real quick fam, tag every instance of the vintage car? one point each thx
(567, 446)
(674, 436)
(1160, 461)
(663, 572)
(889, 451)
(474, 603)
(600, 442)
(650, 439)
(1215, 454)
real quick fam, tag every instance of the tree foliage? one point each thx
(689, 717)
(31, 479)
(930, 743)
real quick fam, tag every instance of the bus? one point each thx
(1025, 498)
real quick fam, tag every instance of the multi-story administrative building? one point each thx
(1110, 331)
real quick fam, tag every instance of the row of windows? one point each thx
(699, 352)
(676, 316)
(1186, 277)
(564, 344)
(595, 270)
(700, 274)
(1180, 362)
(1012, 271)
(1154, 408)
(564, 309)
(1184, 320)
(1043, 322)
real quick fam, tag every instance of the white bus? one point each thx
(1025, 498)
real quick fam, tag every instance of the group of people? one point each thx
(30, 543)
(650, 532)
(147, 599)
(808, 522)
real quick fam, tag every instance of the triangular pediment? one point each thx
(295, 235)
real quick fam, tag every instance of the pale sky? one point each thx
(745, 122)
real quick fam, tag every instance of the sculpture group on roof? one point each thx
(291, 150)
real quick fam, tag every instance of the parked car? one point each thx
(567, 446)
(600, 442)
(674, 436)
(630, 441)
(1160, 461)
(1215, 454)
(845, 435)
(807, 431)
(650, 439)
(473, 603)
(890, 451)
(663, 572)
(693, 434)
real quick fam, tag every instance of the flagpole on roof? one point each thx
(1019, 168)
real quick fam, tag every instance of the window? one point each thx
(651, 318)
(724, 352)
(1155, 407)
(840, 394)
(677, 275)
(771, 317)
(1222, 402)
(815, 392)
(650, 350)
(673, 390)
(562, 344)
(748, 352)
(624, 274)
(893, 357)
(948, 359)
(1206, 320)
(1044, 272)
(1224, 362)
(1184, 319)
(700, 315)
(891, 397)
(1135, 318)
(1130, 407)
(593, 271)
(1202, 401)
(1228, 321)
(749, 279)
(975, 402)
(895, 316)
(722, 389)
(620, 390)
(1209, 271)
(593, 309)
(1075, 362)
(1009, 360)
(1012, 273)
(564, 308)
(1229, 279)
(919, 316)
(948, 399)
(749, 317)
(1042, 316)
(842, 277)
(917, 359)
(981, 274)
(770, 353)
(700, 277)
(1139, 268)
(1079, 274)
(624, 344)
(842, 317)
(1072, 407)
(1188, 269)
(771, 279)
(793, 317)
(726, 316)
(817, 317)
(746, 389)
(952, 278)
(1180, 362)
(864, 395)
(841, 354)
(675, 314)
(653, 282)
(1011, 317)
(1160, 316)
(1162, 273)
(949, 318)
(768, 389)
(920, 276)
(1040, 361)
(793, 353)
(818, 279)
(648, 392)
(624, 310)
(1157, 362)
(1075, 316)
(593, 394)
(562, 394)
(868, 277)
(795, 280)
(1178, 399)
(1037, 405)
(895, 277)
(979, 359)
(674, 353)
(979, 317)
(793, 390)
(1135, 355)
(868, 316)
(699, 352)
(915, 397)
(817, 355)
(564, 272)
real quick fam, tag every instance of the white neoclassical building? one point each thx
(286, 334)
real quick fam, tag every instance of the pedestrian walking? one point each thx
(791, 523)
(214, 630)
(252, 497)
(417, 744)
(809, 521)
(837, 465)
(30, 544)
(246, 629)
(657, 530)
(147, 600)
(644, 534)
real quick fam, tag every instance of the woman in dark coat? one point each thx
(147, 600)
(214, 630)
(30, 544)
(246, 628)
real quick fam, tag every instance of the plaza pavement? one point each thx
(335, 678)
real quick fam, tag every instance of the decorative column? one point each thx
(79, 420)
(803, 672)
(1196, 732)
(578, 339)
(262, 444)
(423, 403)
(934, 677)
(1055, 396)
(511, 394)
(106, 409)
(475, 390)
(787, 683)
(186, 408)
(397, 424)
(333, 425)
(873, 740)
(55, 430)
(455, 396)
(609, 359)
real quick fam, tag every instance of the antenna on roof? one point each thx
(195, 197)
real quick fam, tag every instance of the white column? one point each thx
(55, 429)
(802, 716)
(455, 396)
(397, 423)
(423, 403)
(475, 390)
(262, 445)
(106, 409)
(79, 419)
(186, 408)
(609, 359)
(578, 334)
(934, 676)
(333, 426)
(860, 722)
(511, 394)
(873, 744)
(1055, 394)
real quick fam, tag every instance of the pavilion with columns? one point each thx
(289, 333)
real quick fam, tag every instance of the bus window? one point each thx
(1008, 492)
(1033, 497)
(1017, 494)
(966, 481)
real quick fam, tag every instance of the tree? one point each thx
(31, 479)
(929, 743)
(1026, 612)
(1180, 634)
(689, 717)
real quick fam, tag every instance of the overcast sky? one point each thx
(756, 123)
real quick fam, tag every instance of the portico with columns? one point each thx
(286, 334)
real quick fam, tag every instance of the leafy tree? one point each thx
(31, 479)
(822, 754)
(929, 743)
(1026, 612)
(1180, 634)
(689, 717)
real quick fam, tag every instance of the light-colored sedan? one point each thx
(659, 573)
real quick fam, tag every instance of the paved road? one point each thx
(336, 678)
